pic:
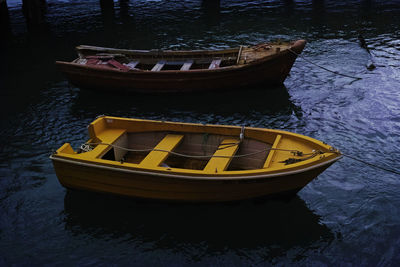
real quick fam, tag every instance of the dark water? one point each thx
(349, 216)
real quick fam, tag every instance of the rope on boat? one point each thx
(319, 66)
(87, 147)
(295, 152)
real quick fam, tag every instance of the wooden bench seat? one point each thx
(132, 65)
(156, 157)
(108, 136)
(272, 153)
(158, 66)
(224, 153)
(215, 64)
(117, 65)
(187, 65)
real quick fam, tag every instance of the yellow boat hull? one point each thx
(149, 178)
(150, 186)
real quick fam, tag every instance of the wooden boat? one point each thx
(190, 162)
(181, 71)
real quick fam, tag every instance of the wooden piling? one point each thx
(108, 13)
(3, 3)
(3, 9)
(4, 18)
(212, 9)
(124, 10)
(212, 4)
(318, 6)
(34, 10)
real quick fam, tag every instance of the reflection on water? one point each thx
(274, 102)
(272, 226)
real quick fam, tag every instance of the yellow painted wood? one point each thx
(107, 136)
(147, 186)
(155, 158)
(272, 152)
(66, 148)
(227, 149)
(89, 171)
(100, 127)
(291, 143)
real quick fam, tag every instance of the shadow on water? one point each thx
(271, 101)
(273, 225)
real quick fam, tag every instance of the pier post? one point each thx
(318, 6)
(34, 10)
(3, 6)
(212, 9)
(5, 27)
(318, 11)
(4, 17)
(289, 6)
(288, 3)
(214, 4)
(124, 10)
(108, 13)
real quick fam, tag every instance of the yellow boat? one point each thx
(190, 162)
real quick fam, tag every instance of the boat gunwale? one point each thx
(251, 64)
(157, 52)
(236, 127)
(160, 53)
(223, 176)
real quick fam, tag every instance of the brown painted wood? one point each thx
(260, 64)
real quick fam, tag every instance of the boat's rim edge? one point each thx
(221, 69)
(256, 62)
(216, 178)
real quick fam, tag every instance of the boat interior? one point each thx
(160, 60)
(196, 151)
(153, 144)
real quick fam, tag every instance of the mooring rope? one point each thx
(319, 66)
(370, 164)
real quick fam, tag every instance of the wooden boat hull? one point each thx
(265, 164)
(272, 70)
(172, 188)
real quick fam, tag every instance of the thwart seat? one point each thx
(187, 65)
(156, 157)
(158, 66)
(215, 64)
(272, 153)
(223, 156)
